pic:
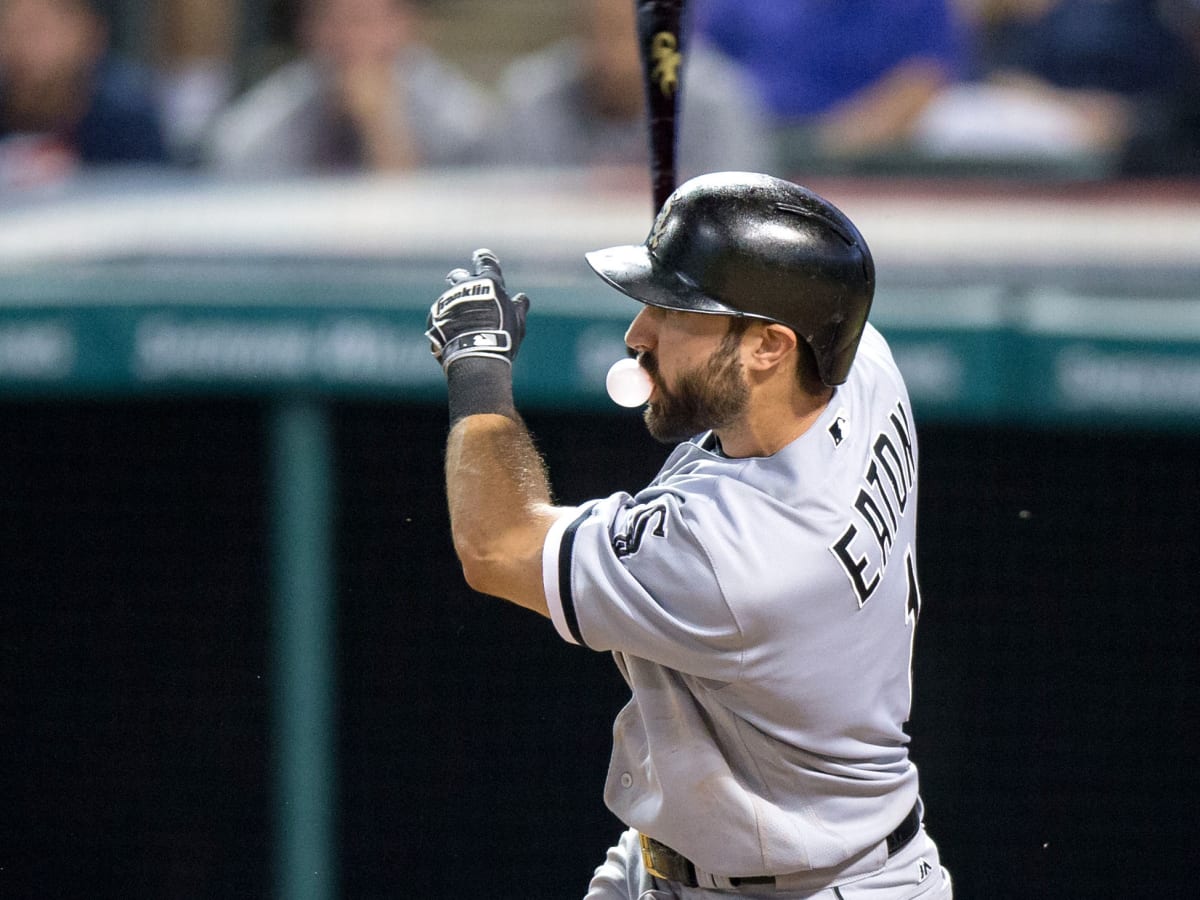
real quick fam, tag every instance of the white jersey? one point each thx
(762, 612)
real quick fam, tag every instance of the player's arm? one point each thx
(375, 105)
(500, 508)
(496, 483)
(885, 112)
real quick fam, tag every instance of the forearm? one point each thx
(494, 476)
(500, 506)
(884, 113)
(388, 147)
(377, 106)
(496, 483)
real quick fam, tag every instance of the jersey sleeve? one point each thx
(631, 575)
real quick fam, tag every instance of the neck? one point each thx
(767, 429)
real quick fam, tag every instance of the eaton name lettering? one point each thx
(883, 499)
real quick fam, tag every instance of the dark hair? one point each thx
(807, 375)
(108, 10)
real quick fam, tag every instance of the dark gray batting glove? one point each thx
(476, 317)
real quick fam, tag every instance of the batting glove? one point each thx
(476, 317)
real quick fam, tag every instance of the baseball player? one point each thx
(760, 595)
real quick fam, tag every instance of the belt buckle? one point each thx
(648, 862)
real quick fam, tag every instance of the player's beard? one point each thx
(710, 396)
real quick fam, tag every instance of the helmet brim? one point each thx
(633, 270)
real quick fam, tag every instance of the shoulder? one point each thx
(874, 358)
(632, 574)
(122, 123)
(122, 83)
(298, 78)
(724, 116)
(875, 396)
(542, 73)
(426, 72)
(449, 114)
(876, 386)
(274, 97)
(708, 61)
(263, 112)
(714, 77)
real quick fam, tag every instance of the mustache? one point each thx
(648, 361)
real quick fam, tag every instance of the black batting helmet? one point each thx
(740, 244)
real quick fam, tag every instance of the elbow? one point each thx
(503, 559)
(480, 564)
(475, 573)
(505, 563)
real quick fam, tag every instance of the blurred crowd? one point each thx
(283, 88)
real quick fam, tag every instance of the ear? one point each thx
(770, 344)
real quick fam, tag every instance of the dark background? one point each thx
(1055, 672)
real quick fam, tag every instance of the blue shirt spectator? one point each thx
(121, 122)
(1166, 140)
(1102, 86)
(1122, 46)
(809, 56)
(64, 100)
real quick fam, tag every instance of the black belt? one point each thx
(663, 862)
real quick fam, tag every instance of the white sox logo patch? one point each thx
(660, 225)
(667, 60)
(651, 519)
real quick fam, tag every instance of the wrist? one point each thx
(479, 384)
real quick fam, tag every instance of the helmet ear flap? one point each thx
(808, 373)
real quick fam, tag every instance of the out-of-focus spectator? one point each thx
(1056, 79)
(850, 77)
(365, 95)
(65, 100)
(1166, 140)
(195, 49)
(1120, 46)
(580, 102)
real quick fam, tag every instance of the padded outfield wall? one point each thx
(1055, 673)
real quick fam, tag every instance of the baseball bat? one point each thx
(660, 41)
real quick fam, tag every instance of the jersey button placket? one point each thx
(626, 780)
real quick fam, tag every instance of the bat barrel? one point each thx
(660, 40)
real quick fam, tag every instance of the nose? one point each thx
(641, 336)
